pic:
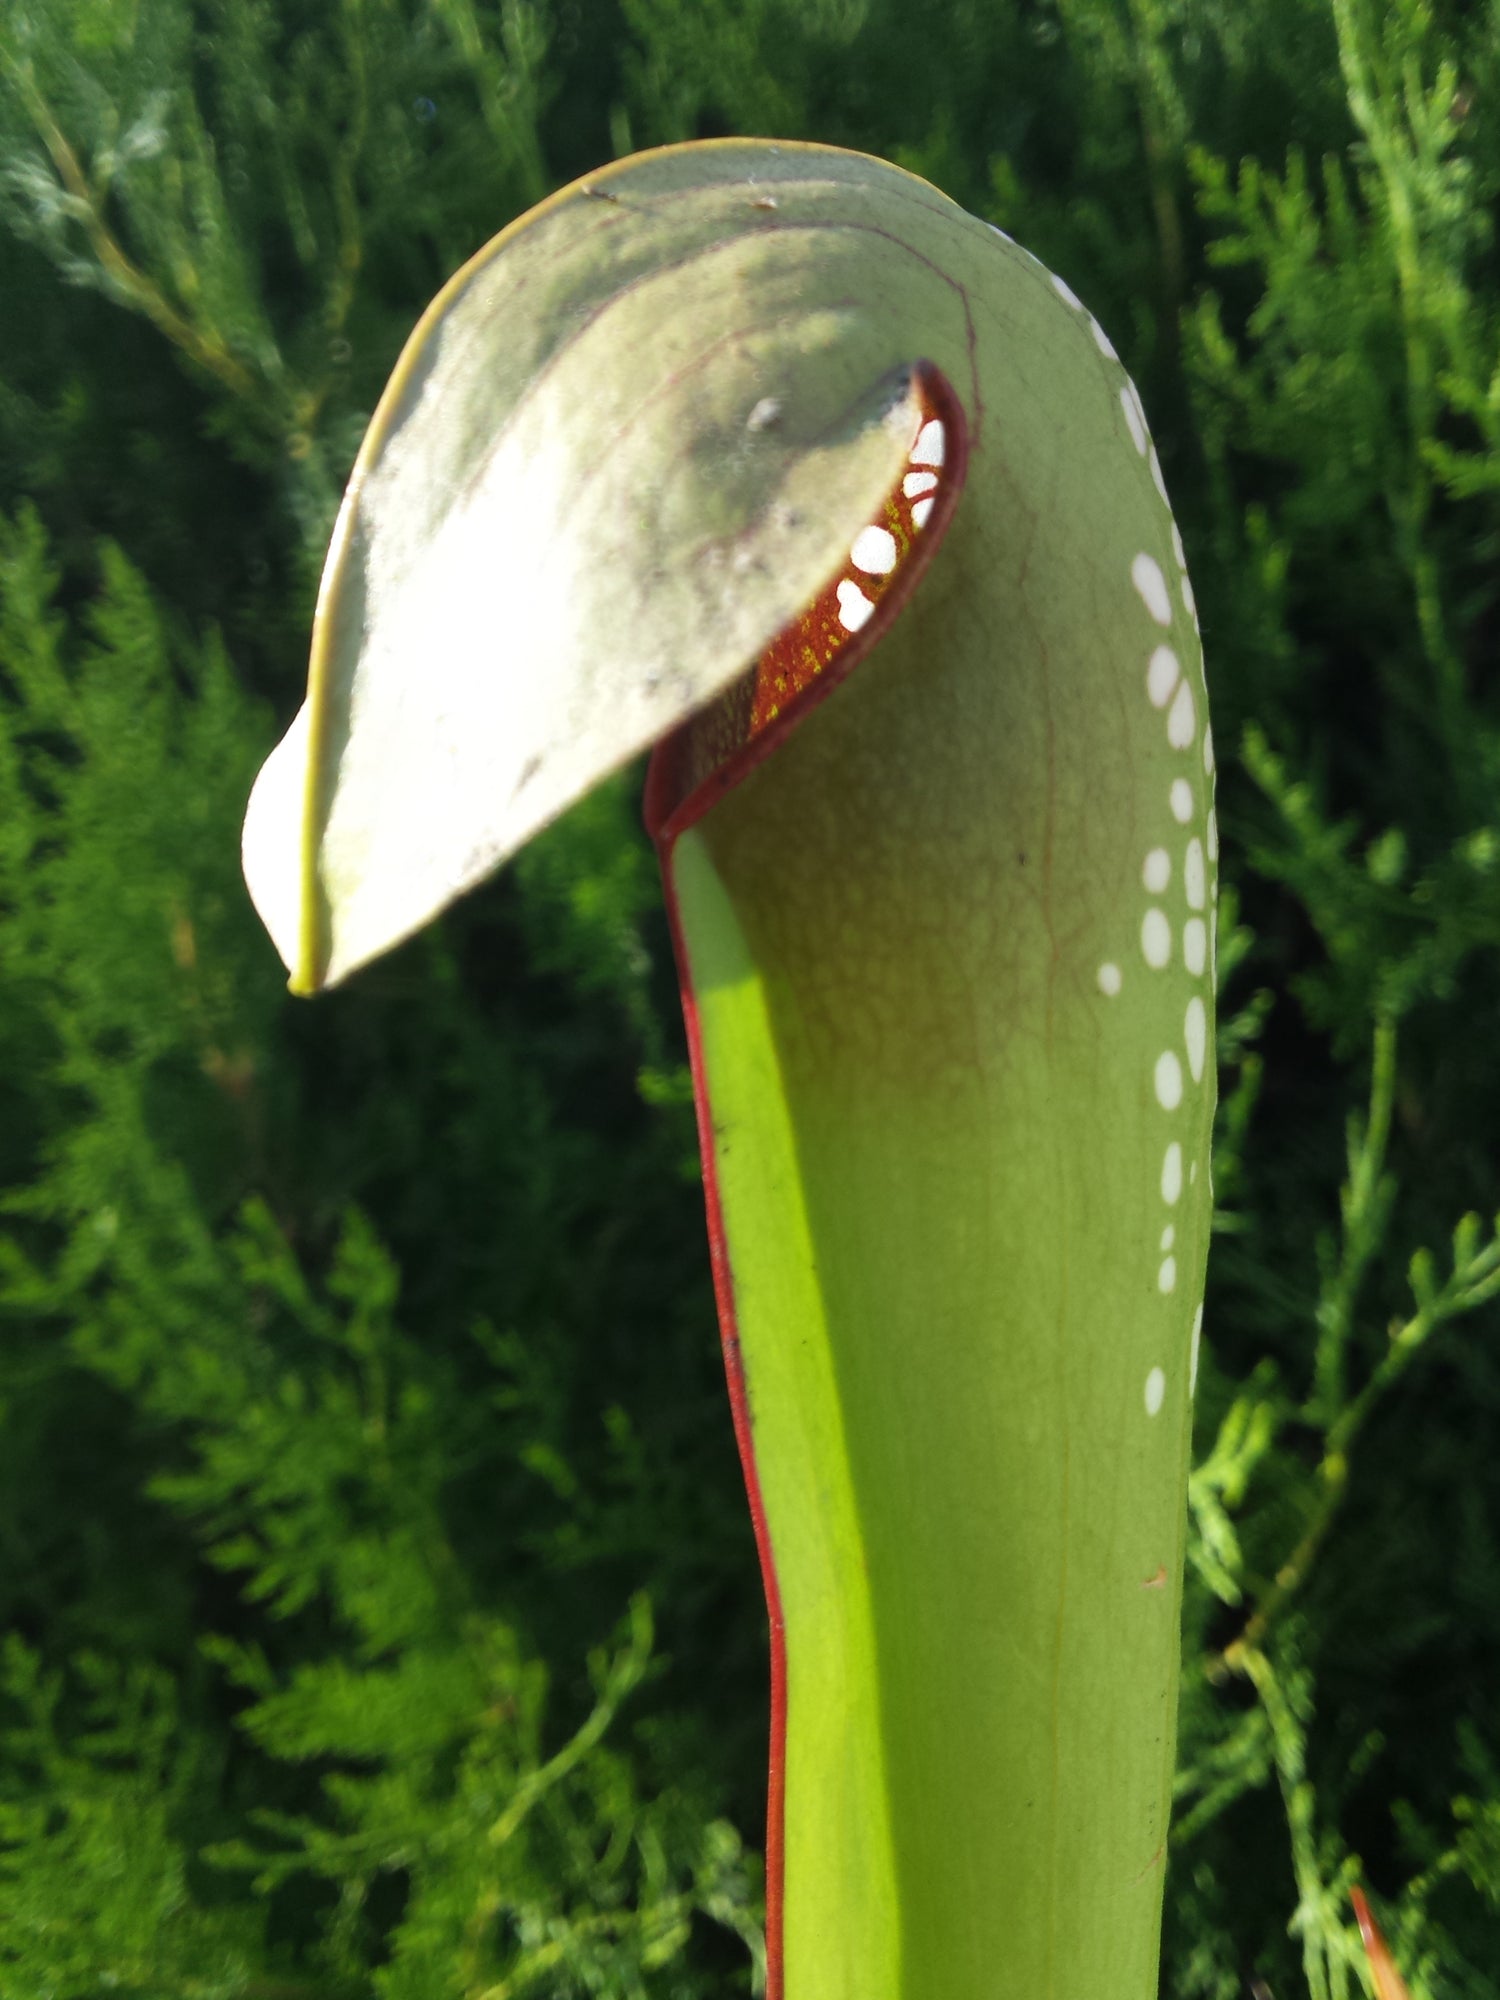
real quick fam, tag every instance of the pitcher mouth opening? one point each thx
(710, 753)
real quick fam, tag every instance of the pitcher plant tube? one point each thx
(771, 459)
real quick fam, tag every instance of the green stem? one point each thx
(129, 280)
(1411, 503)
(350, 254)
(1475, 1281)
(1154, 102)
(624, 1673)
(1288, 1743)
(1363, 1204)
(506, 86)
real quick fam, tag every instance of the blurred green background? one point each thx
(381, 1615)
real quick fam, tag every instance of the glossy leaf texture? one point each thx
(940, 857)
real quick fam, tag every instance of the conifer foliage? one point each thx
(380, 1615)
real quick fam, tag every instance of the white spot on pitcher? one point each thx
(1161, 676)
(1128, 403)
(874, 551)
(1194, 879)
(1182, 718)
(1140, 409)
(1145, 574)
(1065, 292)
(1168, 1080)
(1195, 1036)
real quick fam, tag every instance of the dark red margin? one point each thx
(666, 819)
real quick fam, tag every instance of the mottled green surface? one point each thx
(940, 1148)
(961, 896)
